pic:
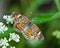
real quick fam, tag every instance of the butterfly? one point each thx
(26, 27)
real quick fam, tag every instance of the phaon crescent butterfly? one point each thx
(26, 27)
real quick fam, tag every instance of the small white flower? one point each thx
(5, 17)
(14, 37)
(13, 47)
(8, 18)
(3, 28)
(6, 28)
(1, 23)
(4, 43)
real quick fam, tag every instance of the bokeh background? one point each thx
(44, 13)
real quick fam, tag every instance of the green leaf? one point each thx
(41, 18)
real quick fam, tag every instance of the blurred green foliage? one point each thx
(47, 19)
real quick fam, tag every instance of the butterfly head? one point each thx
(16, 16)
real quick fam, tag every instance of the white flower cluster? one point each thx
(8, 18)
(3, 28)
(14, 37)
(4, 42)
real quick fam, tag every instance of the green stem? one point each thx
(57, 2)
